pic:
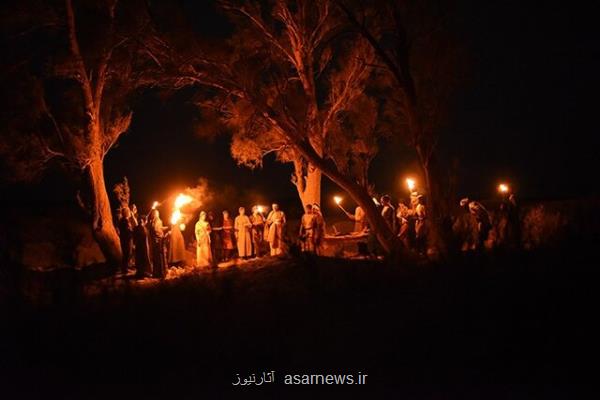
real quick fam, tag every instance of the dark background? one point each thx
(525, 115)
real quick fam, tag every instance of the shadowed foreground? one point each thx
(509, 328)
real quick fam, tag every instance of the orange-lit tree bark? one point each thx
(285, 80)
(411, 42)
(77, 104)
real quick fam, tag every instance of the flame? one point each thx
(154, 205)
(260, 209)
(503, 188)
(182, 200)
(337, 200)
(410, 183)
(175, 217)
(182, 227)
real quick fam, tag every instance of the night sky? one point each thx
(526, 114)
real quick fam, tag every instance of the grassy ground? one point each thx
(476, 327)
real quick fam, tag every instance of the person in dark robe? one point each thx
(258, 225)
(320, 229)
(142, 251)
(157, 236)
(215, 238)
(227, 237)
(388, 213)
(126, 237)
(482, 219)
(176, 247)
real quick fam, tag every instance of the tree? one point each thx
(72, 69)
(291, 80)
(411, 40)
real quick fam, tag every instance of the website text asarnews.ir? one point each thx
(325, 379)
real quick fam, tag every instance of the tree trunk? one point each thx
(437, 237)
(312, 187)
(102, 222)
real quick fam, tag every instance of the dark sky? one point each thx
(526, 114)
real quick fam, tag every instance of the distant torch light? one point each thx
(260, 209)
(337, 199)
(411, 184)
(182, 227)
(503, 188)
(154, 205)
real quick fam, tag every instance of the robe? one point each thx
(308, 227)
(126, 239)
(389, 215)
(258, 226)
(276, 223)
(203, 252)
(359, 220)
(176, 246)
(159, 262)
(243, 235)
(142, 251)
(227, 234)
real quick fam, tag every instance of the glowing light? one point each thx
(260, 209)
(411, 184)
(376, 201)
(338, 200)
(503, 188)
(182, 227)
(154, 205)
(175, 217)
(182, 200)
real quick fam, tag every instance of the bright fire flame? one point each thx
(337, 200)
(260, 209)
(182, 200)
(503, 188)
(182, 227)
(154, 205)
(175, 217)
(410, 183)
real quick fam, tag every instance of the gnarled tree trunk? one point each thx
(102, 223)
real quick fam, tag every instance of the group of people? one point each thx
(153, 247)
(143, 242)
(245, 236)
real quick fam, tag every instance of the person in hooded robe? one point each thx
(308, 226)
(359, 218)
(404, 215)
(215, 238)
(243, 234)
(126, 225)
(227, 230)
(276, 227)
(387, 212)
(176, 246)
(258, 225)
(142, 251)
(202, 230)
(157, 246)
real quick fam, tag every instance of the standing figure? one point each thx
(359, 218)
(308, 226)
(482, 218)
(276, 227)
(243, 234)
(215, 238)
(126, 225)
(320, 228)
(388, 213)
(507, 224)
(157, 236)
(421, 225)
(203, 252)
(258, 225)
(227, 236)
(142, 251)
(176, 246)
(404, 215)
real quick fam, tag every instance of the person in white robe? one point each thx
(243, 234)
(276, 227)
(203, 253)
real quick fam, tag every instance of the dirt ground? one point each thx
(478, 326)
